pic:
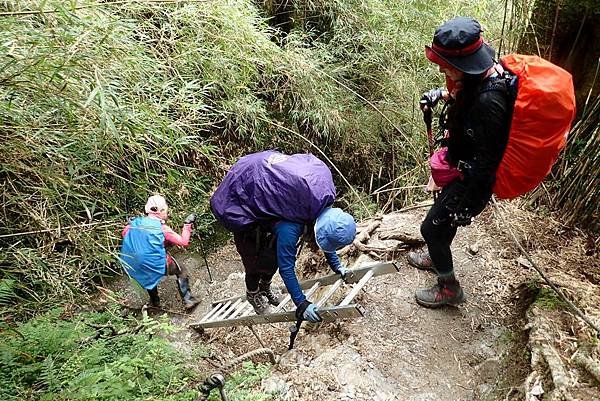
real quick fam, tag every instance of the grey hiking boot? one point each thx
(447, 291)
(189, 301)
(273, 296)
(259, 302)
(421, 260)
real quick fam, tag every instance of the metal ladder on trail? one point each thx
(237, 311)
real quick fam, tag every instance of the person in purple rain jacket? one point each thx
(272, 202)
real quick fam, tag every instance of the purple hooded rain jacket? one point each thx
(269, 186)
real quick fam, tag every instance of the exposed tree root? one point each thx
(384, 235)
(542, 350)
(588, 364)
(362, 237)
(401, 234)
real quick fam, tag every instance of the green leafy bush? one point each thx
(103, 356)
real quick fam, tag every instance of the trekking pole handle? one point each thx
(427, 113)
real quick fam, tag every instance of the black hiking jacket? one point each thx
(478, 144)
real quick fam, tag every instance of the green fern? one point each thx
(59, 360)
(49, 376)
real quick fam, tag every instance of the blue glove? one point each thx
(308, 311)
(345, 273)
(311, 313)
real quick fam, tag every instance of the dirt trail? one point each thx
(399, 350)
(402, 351)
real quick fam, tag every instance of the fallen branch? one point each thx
(363, 236)
(400, 234)
(383, 246)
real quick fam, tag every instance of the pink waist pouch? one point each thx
(441, 171)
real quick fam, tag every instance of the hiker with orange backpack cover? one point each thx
(502, 133)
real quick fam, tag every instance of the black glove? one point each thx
(431, 98)
(190, 219)
(461, 218)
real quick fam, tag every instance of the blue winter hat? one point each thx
(334, 229)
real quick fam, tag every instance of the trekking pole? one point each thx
(294, 330)
(427, 118)
(204, 257)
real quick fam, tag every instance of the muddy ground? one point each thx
(399, 350)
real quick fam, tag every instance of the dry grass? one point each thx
(570, 260)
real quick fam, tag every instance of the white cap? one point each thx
(155, 204)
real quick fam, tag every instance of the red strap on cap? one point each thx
(435, 58)
(465, 51)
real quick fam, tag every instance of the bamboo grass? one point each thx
(578, 183)
(103, 104)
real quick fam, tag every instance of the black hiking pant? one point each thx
(258, 249)
(437, 229)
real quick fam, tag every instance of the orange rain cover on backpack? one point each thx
(542, 117)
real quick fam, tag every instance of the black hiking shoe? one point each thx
(259, 302)
(447, 291)
(421, 260)
(274, 297)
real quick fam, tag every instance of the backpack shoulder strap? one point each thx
(506, 83)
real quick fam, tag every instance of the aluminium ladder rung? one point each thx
(227, 311)
(283, 303)
(357, 288)
(238, 311)
(329, 293)
(328, 314)
(378, 268)
(279, 307)
(213, 312)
